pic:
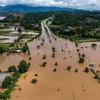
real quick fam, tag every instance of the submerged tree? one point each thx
(23, 66)
(12, 68)
(86, 70)
(81, 60)
(19, 30)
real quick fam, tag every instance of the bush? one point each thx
(20, 89)
(53, 49)
(56, 64)
(29, 64)
(38, 46)
(53, 55)
(44, 57)
(34, 81)
(86, 70)
(78, 50)
(55, 70)
(93, 45)
(19, 30)
(36, 74)
(25, 48)
(81, 60)
(83, 55)
(76, 69)
(68, 68)
(30, 58)
(44, 64)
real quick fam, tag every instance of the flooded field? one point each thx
(9, 39)
(13, 35)
(59, 85)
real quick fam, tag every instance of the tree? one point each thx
(44, 64)
(34, 81)
(68, 68)
(25, 48)
(55, 70)
(44, 57)
(83, 55)
(81, 60)
(93, 45)
(12, 68)
(56, 64)
(23, 66)
(86, 70)
(19, 30)
(7, 81)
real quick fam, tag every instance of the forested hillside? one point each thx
(82, 24)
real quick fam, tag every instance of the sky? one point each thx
(78, 4)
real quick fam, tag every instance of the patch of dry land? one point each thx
(59, 85)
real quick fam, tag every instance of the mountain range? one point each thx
(25, 8)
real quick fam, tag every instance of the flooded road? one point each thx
(59, 85)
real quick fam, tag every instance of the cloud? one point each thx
(79, 4)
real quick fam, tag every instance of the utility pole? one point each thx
(73, 95)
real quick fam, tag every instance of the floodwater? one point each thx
(59, 85)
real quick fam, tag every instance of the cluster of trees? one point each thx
(31, 19)
(23, 66)
(10, 81)
(25, 48)
(81, 23)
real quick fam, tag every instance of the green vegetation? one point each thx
(7, 81)
(44, 64)
(53, 49)
(3, 39)
(81, 60)
(83, 55)
(4, 32)
(56, 64)
(76, 26)
(25, 48)
(19, 30)
(4, 47)
(68, 68)
(54, 70)
(44, 57)
(30, 58)
(53, 55)
(93, 45)
(23, 66)
(38, 47)
(12, 68)
(10, 81)
(86, 70)
(36, 75)
(76, 70)
(34, 81)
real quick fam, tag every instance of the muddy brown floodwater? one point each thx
(59, 85)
